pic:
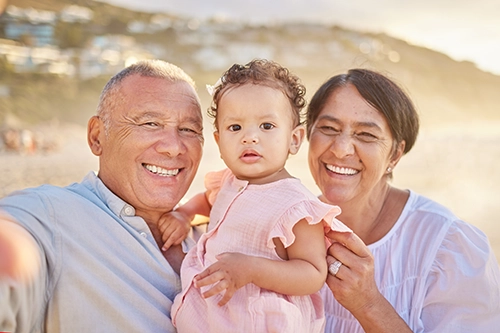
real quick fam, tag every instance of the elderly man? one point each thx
(86, 257)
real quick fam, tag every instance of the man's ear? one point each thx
(95, 130)
(298, 135)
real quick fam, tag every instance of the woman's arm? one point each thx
(354, 285)
(303, 273)
(463, 285)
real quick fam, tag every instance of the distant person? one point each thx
(422, 268)
(86, 257)
(261, 264)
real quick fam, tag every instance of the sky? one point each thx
(462, 29)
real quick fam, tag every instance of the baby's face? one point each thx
(256, 132)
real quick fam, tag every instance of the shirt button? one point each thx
(143, 234)
(240, 189)
(129, 210)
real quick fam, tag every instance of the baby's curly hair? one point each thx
(265, 72)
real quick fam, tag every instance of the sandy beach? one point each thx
(456, 166)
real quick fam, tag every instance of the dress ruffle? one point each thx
(314, 212)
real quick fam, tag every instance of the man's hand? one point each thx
(174, 227)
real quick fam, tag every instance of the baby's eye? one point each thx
(267, 126)
(234, 128)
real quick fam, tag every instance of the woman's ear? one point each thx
(95, 129)
(298, 134)
(397, 154)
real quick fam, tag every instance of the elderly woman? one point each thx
(411, 265)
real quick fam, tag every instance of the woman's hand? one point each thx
(229, 273)
(354, 287)
(354, 284)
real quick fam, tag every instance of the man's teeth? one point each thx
(160, 171)
(342, 171)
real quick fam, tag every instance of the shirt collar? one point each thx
(115, 203)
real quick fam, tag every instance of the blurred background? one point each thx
(56, 56)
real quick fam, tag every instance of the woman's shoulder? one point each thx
(434, 223)
(422, 205)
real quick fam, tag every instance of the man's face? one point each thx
(153, 147)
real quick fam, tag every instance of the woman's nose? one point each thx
(342, 145)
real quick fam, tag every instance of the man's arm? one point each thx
(19, 255)
(20, 264)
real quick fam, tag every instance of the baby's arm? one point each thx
(175, 225)
(303, 273)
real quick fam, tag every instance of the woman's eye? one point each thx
(234, 128)
(365, 136)
(328, 130)
(267, 126)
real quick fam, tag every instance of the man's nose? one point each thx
(170, 142)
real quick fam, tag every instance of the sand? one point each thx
(456, 166)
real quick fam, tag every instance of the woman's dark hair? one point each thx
(381, 93)
(264, 72)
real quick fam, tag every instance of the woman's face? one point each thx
(350, 148)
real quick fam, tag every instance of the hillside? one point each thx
(444, 90)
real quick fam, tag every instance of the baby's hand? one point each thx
(174, 227)
(229, 273)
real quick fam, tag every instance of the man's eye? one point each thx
(189, 130)
(151, 124)
(234, 128)
(267, 126)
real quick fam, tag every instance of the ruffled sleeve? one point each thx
(314, 212)
(213, 183)
(463, 287)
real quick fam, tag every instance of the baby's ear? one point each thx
(298, 134)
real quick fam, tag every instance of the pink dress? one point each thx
(245, 218)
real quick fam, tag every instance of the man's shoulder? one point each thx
(31, 197)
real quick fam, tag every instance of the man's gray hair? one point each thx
(149, 68)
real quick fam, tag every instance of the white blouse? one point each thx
(438, 272)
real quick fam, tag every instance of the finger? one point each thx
(175, 238)
(165, 223)
(227, 296)
(216, 289)
(207, 278)
(351, 241)
(175, 235)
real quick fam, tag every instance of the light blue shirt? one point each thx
(102, 270)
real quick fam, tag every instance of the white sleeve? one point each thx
(463, 287)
